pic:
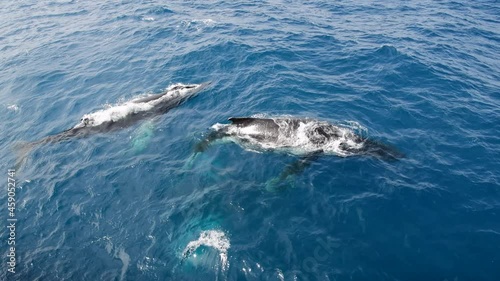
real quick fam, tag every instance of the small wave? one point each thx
(215, 239)
(198, 24)
(206, 22)
(387, 51)
(361, 197)
(161, 10)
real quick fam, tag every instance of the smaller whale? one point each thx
(121, 115)
(303, 137)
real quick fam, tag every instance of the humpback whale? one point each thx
(123, 115)
(303, 137)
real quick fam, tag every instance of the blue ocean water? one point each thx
(422, 76)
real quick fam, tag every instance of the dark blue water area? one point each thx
(422, 76)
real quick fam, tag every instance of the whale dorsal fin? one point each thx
(241, 120)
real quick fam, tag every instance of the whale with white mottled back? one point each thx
(123, 115)
(304, 137)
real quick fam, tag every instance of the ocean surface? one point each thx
(423, 76)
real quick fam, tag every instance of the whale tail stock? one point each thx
(22, 150)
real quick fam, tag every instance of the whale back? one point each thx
(260, 129)
(305, 136)
(174, 92)
(249, 121)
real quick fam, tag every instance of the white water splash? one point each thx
(210, 238)
(114, 113)
(13, 107)
(280, 274)
(300, 140)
